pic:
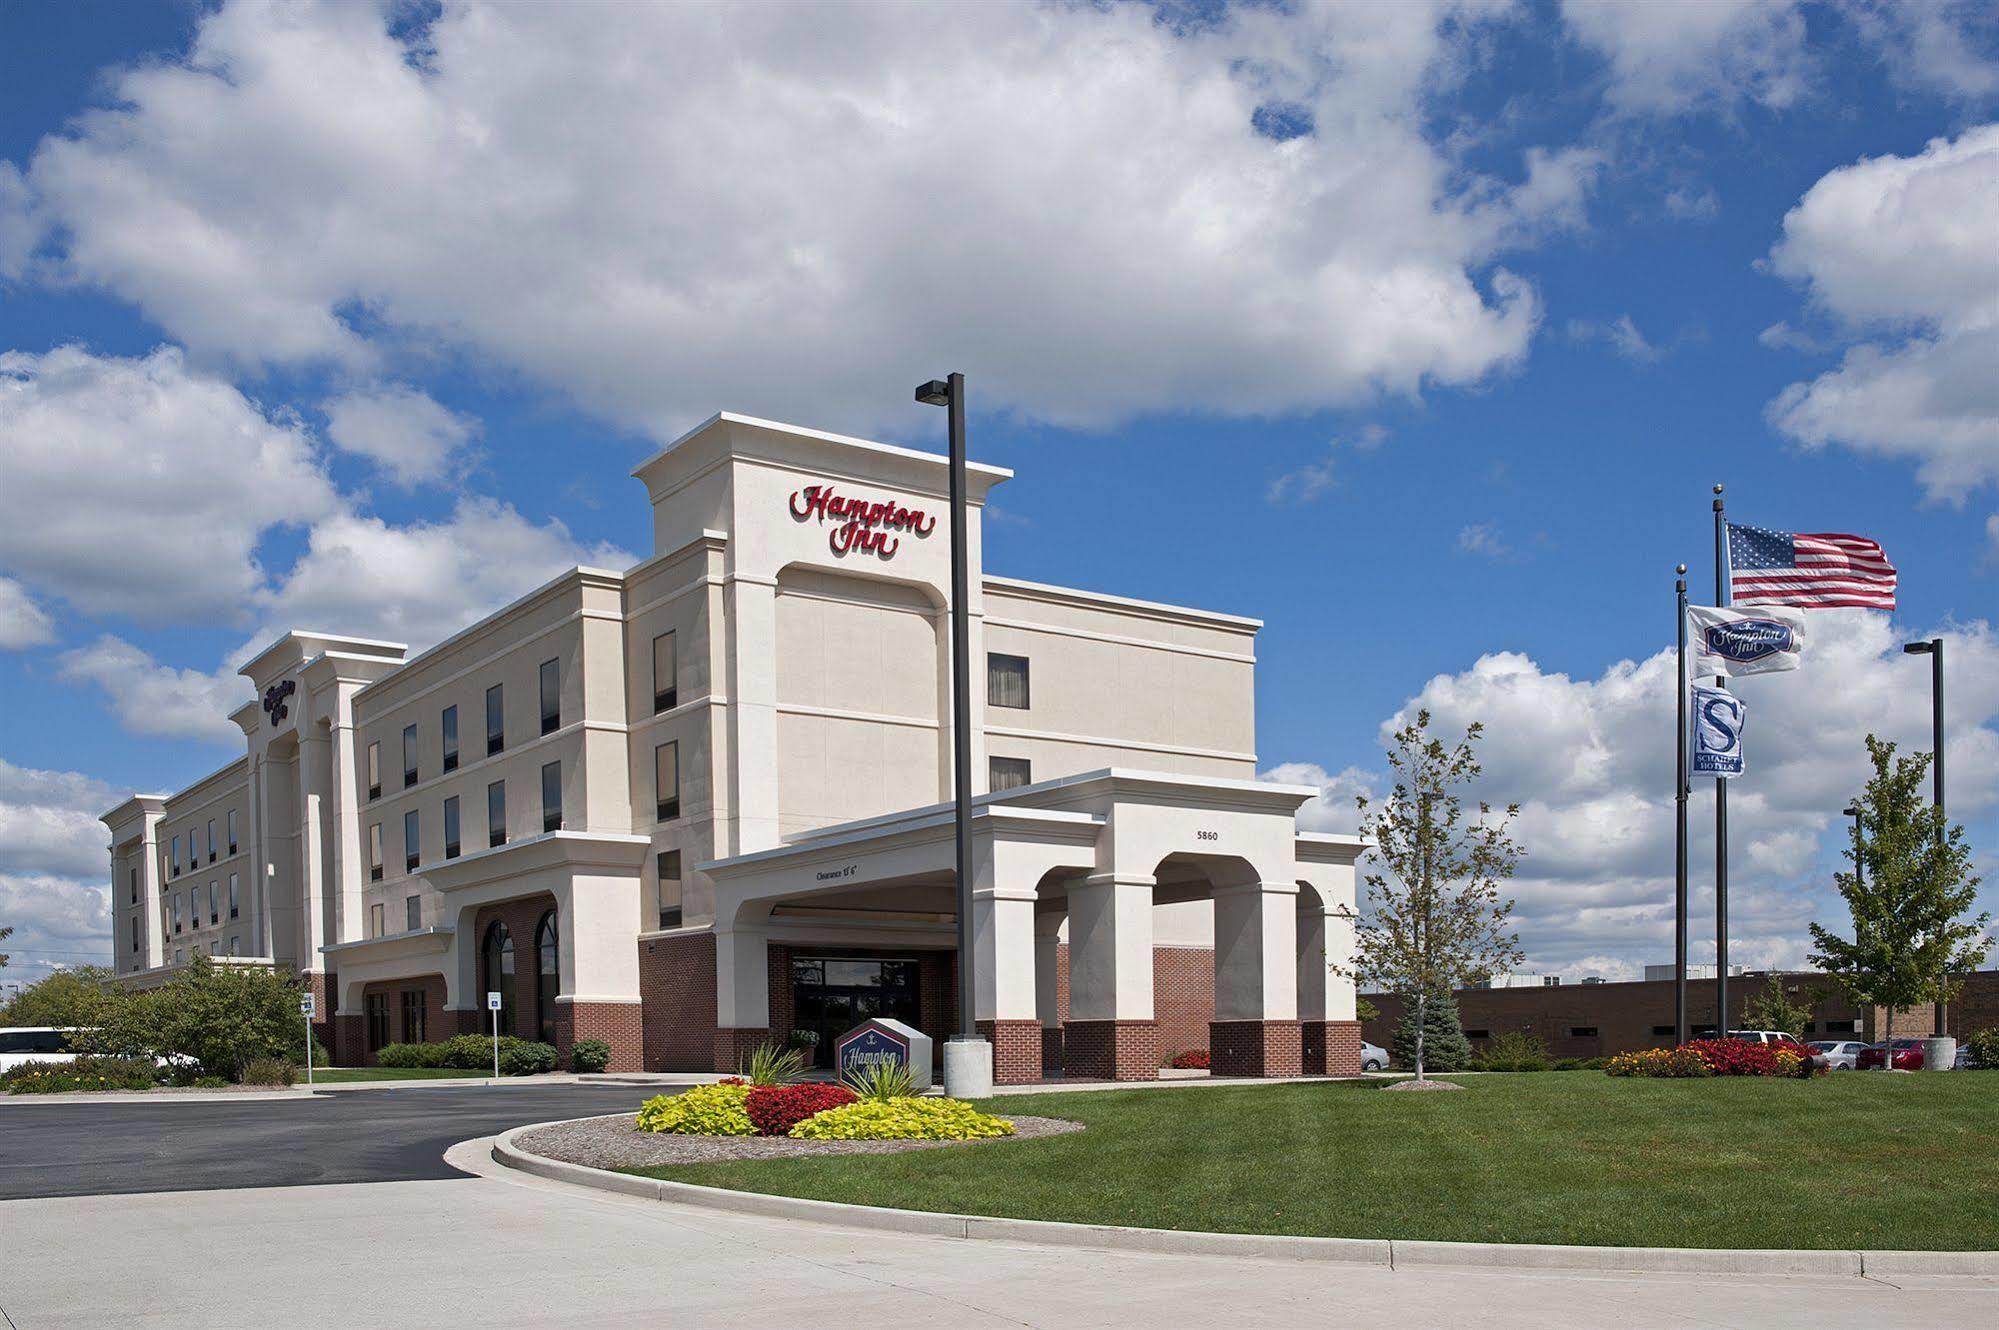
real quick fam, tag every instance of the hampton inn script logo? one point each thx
(861, 526)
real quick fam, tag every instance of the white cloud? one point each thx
(23, 623)
(1693, 203)
(1903, 247)
(1781, 336)
(1305, 483)
(399, 428)
(48, 822)
(142, 487)
(1713, 54)
(1484, 539)
(1334, 807)
(1620, 334)
(765, 208)
(1934, 45)
(161, 700)
(1590, 761)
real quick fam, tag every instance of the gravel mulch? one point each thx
(615, 1142)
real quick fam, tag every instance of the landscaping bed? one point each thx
(1852, 1162)
(615, 1143)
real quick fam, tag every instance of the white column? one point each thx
(1004, 944)
(742, 980)
(149, 894)
(344, 819)
(1110, 948)
(1256, 952)
(313, 761)
(753, 713)
(1048, 969)
(595, 923)
(1314, 976)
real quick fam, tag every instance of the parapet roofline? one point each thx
(997, 473)
(373, 648)
(1049, 591)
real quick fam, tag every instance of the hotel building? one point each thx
(705, 802)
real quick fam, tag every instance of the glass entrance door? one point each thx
(830, 995)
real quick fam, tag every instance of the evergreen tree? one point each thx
(1445, 1047)
(1910, 895)
(1772, 1009)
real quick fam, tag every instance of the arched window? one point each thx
(497, 965)
(548, 976)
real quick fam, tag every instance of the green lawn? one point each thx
(335, 1075)
(1849, 1160)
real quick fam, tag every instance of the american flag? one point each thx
(1815, 570)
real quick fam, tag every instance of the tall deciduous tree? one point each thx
(1435, 916)
(1910, 897)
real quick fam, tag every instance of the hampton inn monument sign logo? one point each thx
(861, 526)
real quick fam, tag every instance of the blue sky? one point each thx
(1443, 375)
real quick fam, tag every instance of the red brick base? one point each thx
(1254, 1048)
(322, 987)
(619, 1024)
(1051, 1049)
(1330, 1048)
(1111, 1050)
(733, 1046)
(350, 1041)
(1016, 1050)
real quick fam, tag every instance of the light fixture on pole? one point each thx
(1854, 811)
(968, 1059)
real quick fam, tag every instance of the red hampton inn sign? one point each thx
(861, 525)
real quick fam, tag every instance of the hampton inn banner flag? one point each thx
(1817, 571)
(1732, 643)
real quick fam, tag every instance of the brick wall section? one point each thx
(520, 917)
(1976, 1006)
(1051, 1049)
(619, 1024)
(1183, 998)
(439, 1024)
(1255, 1048)
(323, 987)
(734, 1046)
(677, 992)
(1111, 1050)
(1016, 1050)
(350, 1042)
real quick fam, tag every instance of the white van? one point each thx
(22, 1044)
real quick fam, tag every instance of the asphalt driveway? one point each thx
(392, 1135)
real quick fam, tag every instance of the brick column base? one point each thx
(350, 1041)
(1331, 1048)
(1110, 1050)
(733, 1045)
(1254, 1048)
(1016, 1050)
(1051, 1049)
(619, 1024)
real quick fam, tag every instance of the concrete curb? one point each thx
(1393, 1253)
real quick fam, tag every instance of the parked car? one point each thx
(1836, 1054)
(22, 1044)
(1372, 1058)
(1778, 1038)
(1908, 1056)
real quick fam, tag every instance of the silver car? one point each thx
(1836, 1054)
(1373, 1058)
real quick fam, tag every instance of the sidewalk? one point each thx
(639, 1080)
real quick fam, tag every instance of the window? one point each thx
(135, 933)
(413, 1016)
(451, 827)
(496, 719)
(214, 945)
(376, 1006)
(375, 770)
(235, 945)
(1842, 1027)
(211, 840)
(1664, 1031)
(375, 852)
(1006, 681)
(1006, 773)
(665, 674)
(669, 889)
(176, 912)
(176, 859)
(180, 955)
(547, 976)
(409, 756)
(410, 833)
(551, 797)
(496, 813)
(135, 886)
(551, 696)
(1582, 1032)
(412, 913)
(496, 967)
(666, 779)
(450, 731)
(1551, 981)
(375, 919)
(234, 894)
(232, 831)
(214, 914)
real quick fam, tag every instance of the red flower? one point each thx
(1194, 1059)
(775, 1109)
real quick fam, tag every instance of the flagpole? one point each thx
(1724, 599)
(1680, 832)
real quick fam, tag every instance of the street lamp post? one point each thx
(1854, 811)
(968, 1059)
(1934, 650)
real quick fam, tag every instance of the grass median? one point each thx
(1846, 1161)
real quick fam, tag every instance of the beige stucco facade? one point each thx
(769, 688)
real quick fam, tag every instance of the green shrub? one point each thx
(525, 1057)
(706, 1110)
(411, 1055)
(589, 1056)
(1514, 1050)
(879, 1082)
(217, 1017)
(1578, 1064)
(80, 1074)
(269, 1071)
(67, 999)
(1982, 1049)
(769, 1064)
(210, 1083)
(907, 1119)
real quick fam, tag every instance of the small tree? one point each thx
(221, 1017)
(1772, 1009)
(1909, 896)
(1445, 1047)
(5, 933)
(66, 999)
(1434, 913)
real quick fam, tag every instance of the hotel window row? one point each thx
(496, 823)
(172, 911)
(194, 846)
(549, 680)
